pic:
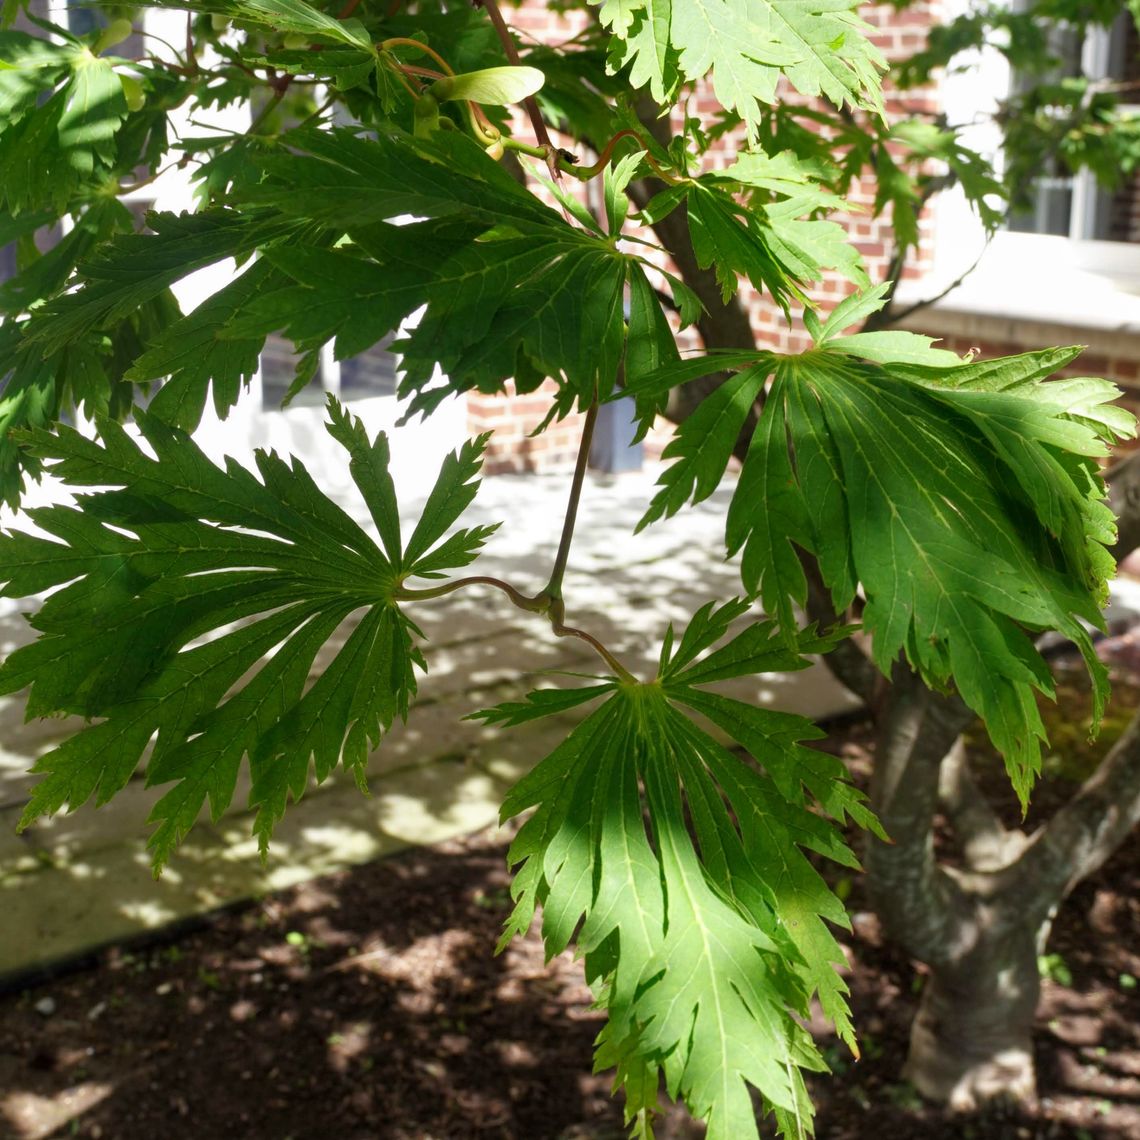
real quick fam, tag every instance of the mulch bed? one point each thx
(368, 1005)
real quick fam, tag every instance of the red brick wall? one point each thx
(897, 35)
(512, 418)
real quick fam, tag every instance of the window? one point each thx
(1076, 206)
(371, 373)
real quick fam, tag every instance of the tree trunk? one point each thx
(972, 1038)
(978, 930)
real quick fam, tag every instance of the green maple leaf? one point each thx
(511, 289)
(177, 551)
(770, 238)
(747, 47)
(349, 67)
(135, 268)
(288, 16)
(29, 67)
(704, 945)
(61, 108)
(389, 176)
(199, 352)
(45, 274)
(964, 498)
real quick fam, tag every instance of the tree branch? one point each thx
(1085, 832)
(553, 588)
(886, 318)
(530, 104)
(722, 324)
(727, 324)
(922, 906)
(847, 662)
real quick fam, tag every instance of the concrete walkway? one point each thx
(79, 881)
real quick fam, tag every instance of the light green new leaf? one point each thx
(807, 245)
(775, 242)
(29, 66)
(785, 175)
(852, 310)
(895, 346)
(647, 46)
(175, 550)
(498, 86)
(95, 108)
(61, 111)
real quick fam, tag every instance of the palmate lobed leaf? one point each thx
(747, 46)
(771, 237)
(503, 285)
(199, 354)
(190, 604)
(135, 268)
(706, 934)
(61, 108)
(962, 497)
(286, 16)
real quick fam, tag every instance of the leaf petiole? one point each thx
(541, 603)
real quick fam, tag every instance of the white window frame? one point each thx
(1024, 288)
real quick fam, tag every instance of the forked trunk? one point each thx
(978, 930)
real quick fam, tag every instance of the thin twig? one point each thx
(927, 301)
(618, 668)
(541, 603)
(554, 586)
(403, 41)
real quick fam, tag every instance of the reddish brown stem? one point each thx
(403, 41)
(541, 134)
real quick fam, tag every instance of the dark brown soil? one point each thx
(369, 1006)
